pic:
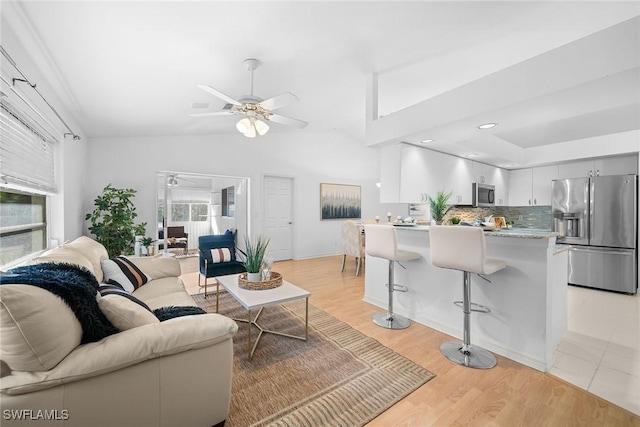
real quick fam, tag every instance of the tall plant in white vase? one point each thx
(255, 250)
(439, 207)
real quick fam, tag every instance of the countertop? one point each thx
(520, 233)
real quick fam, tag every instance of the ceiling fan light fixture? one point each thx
(261, 127)
(251, 130)
(243, 125)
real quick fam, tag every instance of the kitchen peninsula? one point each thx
(528, 299)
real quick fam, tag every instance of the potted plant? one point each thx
(147, 243)
(112, 220)
(439, 206)
(255, 251)
(455, 220)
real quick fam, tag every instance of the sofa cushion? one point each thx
(63, 255)
(115, 289)
(75, 285)
(125, 313)
(92, 250)
(158, 266)
(37, 329)
(125, 272)
(163, 293)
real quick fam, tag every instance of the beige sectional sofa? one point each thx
(171, 373)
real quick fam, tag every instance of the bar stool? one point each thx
(463, 248)
(382, 243)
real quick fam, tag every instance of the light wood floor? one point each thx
(510, 394)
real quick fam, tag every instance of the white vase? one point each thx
(138, 246)
(253, 277)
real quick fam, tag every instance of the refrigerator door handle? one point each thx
(592, 216)
(628, 252)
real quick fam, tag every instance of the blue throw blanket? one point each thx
(77, 287)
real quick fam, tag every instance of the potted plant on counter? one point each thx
(439, 206)
(255, 251)
(455, 220)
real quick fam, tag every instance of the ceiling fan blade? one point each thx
(288, 121)
(215, 113)
(278, 101)
(216, 92)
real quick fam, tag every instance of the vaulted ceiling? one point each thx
(130, 68)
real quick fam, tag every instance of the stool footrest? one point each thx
(398, 288)
(479, 309)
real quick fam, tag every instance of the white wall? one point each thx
(72, 183)
(310, 158)
(67, 206)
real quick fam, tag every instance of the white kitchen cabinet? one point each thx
(541, 184)
(532, 186)
(500, 179)
(425, 172)
(415, 175)
(481, 173)
(618, 165)
(578, 169)
(520, 187)
(459, 173)
(390, 158)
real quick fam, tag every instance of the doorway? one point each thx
(202, 204)
(278, 216)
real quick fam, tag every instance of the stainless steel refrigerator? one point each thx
(598, 217)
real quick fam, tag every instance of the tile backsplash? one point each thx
(522, 216)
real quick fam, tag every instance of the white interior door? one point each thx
(278, 214)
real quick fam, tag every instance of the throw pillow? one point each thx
(124, 272)
(220, 255)
(124, 313)
(114, 288)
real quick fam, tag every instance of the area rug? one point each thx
(338, 377)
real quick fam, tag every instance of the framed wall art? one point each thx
(340, 201)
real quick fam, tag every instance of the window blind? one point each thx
(27, 156)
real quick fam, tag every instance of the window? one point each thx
(179, 212)
(27, 167)
(228, 202)
(23, 227)
(27, 156)
(199, 212)
(185, 212)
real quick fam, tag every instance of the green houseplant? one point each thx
(112, 220)
(147, 243)
(439, 206)
(255, 251)
(455, 220)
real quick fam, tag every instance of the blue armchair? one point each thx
(220, 266)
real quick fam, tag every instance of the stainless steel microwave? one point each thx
(483, 195)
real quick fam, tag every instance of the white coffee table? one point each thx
(252, 300)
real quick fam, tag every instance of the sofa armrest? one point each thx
(125, 349)
(158, 267)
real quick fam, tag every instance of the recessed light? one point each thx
(487, 125)
(426, 141)
(471, 155)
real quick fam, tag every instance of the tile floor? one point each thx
(600, 352)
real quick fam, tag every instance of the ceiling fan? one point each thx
(256, 111)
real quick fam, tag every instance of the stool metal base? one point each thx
(390, 321)
(475, 357)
